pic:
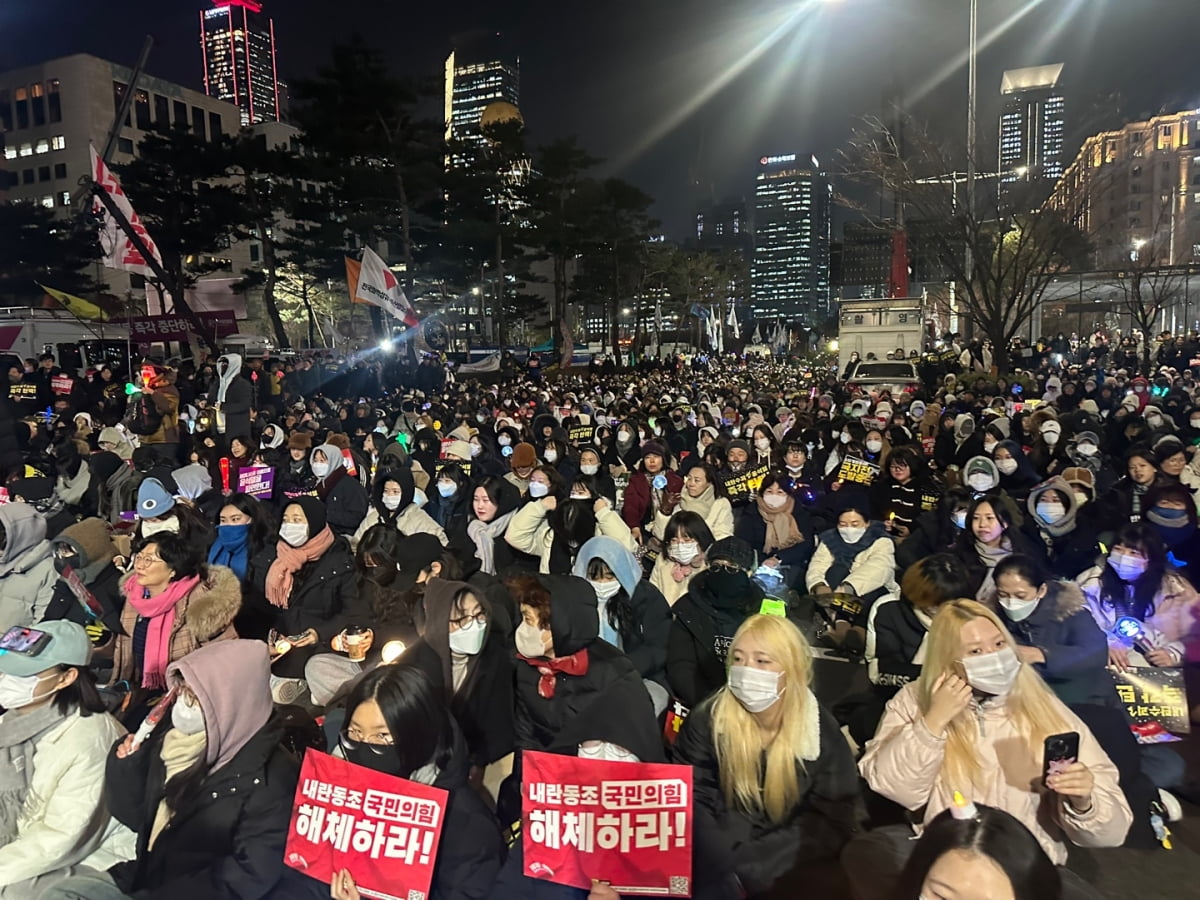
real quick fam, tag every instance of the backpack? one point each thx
(146, 419)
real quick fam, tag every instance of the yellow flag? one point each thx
(77, 306)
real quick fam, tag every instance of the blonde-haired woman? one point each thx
(775, 786)
(975, 722)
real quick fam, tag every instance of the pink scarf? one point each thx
(289, 560)
(160, 611)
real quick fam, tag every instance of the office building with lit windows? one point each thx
(237, 42)
(789, 275)
(478, 73)
(725, 227)
(1135, 192)
(1032, 128)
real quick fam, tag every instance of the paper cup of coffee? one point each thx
(356, 641)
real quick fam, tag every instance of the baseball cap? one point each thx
(68, 646)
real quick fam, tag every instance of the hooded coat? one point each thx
(611, 688)
(1073, 541)
(91, 542)
(227, 840)
(27, 574)
(234, 395)
(646, 644)
(1075, 648)
(530, 531)
(407, 518)
(483, 704)
(344, 497)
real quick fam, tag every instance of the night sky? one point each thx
(683, 96)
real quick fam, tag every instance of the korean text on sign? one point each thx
(256, 481)
(629, 824)
(857, 470)
(385, 830)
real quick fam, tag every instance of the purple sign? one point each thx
(257, 481)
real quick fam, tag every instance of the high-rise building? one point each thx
(237, 40)
(725, 227)
(789, 277)
(478, 74)
(1135, 192)
(1032, 123)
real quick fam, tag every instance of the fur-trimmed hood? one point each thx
(1066, 597)
(212, 604)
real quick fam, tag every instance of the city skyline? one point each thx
(237, 46)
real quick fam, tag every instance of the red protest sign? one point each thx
(62, 385)
(385, 830)
(629, 824)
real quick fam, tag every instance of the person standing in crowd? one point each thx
(231, 398)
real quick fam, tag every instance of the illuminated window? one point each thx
(58, 142)
(10, 152)
(27, 149)
(43, 146)
(48, 201)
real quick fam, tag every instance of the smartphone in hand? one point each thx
(1058, 752)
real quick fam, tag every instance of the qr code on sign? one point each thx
(679, 886)
(416, 895)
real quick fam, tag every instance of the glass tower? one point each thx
(238, 44)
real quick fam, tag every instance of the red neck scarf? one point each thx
(575, 664)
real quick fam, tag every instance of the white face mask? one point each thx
(980, 482)
(1018, 610)
(529, 641)
(1081, 498)
(1007, 466)
(320, 469)
(537, 489)
(1154, 421)
(17, 691)
(1050, 437)
(845, 437)
(605, 752)
(755, 689)
(992, 673)
(1050, 511)
(504, 440)
(874, 446)
(762, 444)
(959, 518)
(990, 446)
(1086, 449)
(605, 590)
(419, 498)
(447, 488)
(294, 533)
(476, 449)
(551, 456)
(392, 501)
(580, 497)
(685, 551)
(186, 718)
(589, 468)
(775, 501)
(1195, 423)
(852, 534)
(170, 525)
(468, 640)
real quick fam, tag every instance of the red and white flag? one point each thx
(119, 252)
(377, 285)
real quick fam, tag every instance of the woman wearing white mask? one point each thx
(857, 559)
(208, 793)
(1072, 540)
(393, 502)
(590, 465)
(633, 614)
(775, 786)
(307, 578)
(1136, 582)
(686, 539)
(54, 741)
(975, 722)
(344, 496)
(778, 527)
(465, 651)
(763, 445)
(450, 502)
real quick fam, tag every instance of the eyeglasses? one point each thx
(353, 739)
(145, 559)
(727, 568)
(480, 617)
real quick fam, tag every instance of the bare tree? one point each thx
(1149, 285)
(1002, 250)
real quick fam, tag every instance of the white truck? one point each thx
(76, 345)
(879, 327)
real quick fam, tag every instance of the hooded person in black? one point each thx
(706, 618)
(87, 550)
(465, 653)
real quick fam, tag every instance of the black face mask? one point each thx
(728, 584)
(380, 757)
(62, 563)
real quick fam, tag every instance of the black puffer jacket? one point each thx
(758, 850)
(225, 845)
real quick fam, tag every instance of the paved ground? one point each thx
(1118, 874)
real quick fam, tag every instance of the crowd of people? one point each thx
(440, 574)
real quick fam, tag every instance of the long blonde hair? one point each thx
(737, 738)
(1031, 705)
